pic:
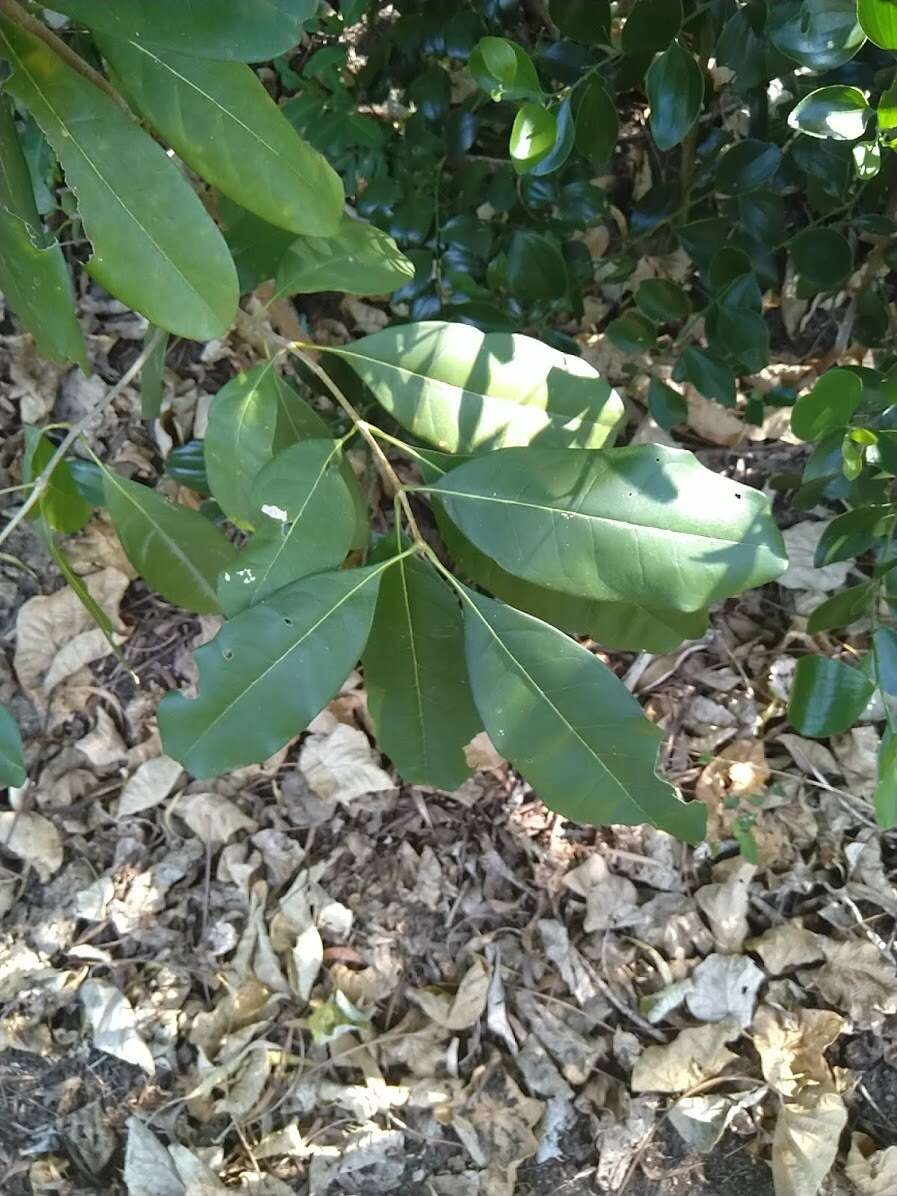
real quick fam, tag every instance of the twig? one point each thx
(14, 11)
(42, 481)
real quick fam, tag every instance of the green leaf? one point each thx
(828, 696)
(61, 503)
(222, 122)
(178, 552)
(651, 25)
(841, 610)
(597, 123)
(536, 267)
(839, 113)
(741, 49)
(152, 377)
(819, 34)
(250, 419)
(187, 465)
(270, 670)
(533, 136)
(503, 69)
(257, 246)
(568, 724)
(828, 406)
(418, 691)
(884, 657)
(747, 166)
(878, 19)
(667, 406)
(306, 520)
(33, 273)
(632, 332)
(887, 111)
(663, 301)
(823, 259)
(462, 390)
(850, 534)
(644, 523)
(12, 760)
(708, 375)
(675, 88)
(626, 626)
(586, 21)
(360, 260)
(155, 247)
(885, 798)
(205, 28)
(563, 143)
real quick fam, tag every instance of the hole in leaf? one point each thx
(227, 654)
(288, 621)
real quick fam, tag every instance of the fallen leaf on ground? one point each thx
(787, 946)
(725, 904)
(610, 900)
(212, 818)
(792, 1045)
(149, 1170)
(464, 1008)
(872, 1172)
(341, 766)
(724, 988)
(33, 839)
(150, 784)
(809, 756)
(801, 541)
(114, 1024)
(693, 1056)
(805, 1143)
(857, 979)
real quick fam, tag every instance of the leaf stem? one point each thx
(391, 480)
(17, 14)
(42, 481)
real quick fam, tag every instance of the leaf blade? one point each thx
(359, 259)
(12, 760)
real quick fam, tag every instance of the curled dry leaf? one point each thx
(702, 1120)
(872, 1172)
(114, 1024)
(693, 1056)
(857, 979)
(341, 765)
(610, 900)
(725, 903)
(800, 546)
(792, 1044)
(465, 1008)
(212, 818)
(724, 988)
(805, 1142)
(33, 839)
(787, 946)
(150, 784)
(149, 1170)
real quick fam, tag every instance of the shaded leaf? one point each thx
(675, 89)
(828, 406)
(651, 25)
(663, 301)
(585, 21)
(61, 503)
(536, 267)
(851, 534)
(152, 376)
(842, 609)
(828, 696)
(359, 259)
(597, 123)
(12, 762)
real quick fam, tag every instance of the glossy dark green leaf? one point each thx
(828, 696)
(220, 119)
(533, 136)
(747, 166)
(666, 405)
(305, 516)
(597, 123)
(885, 798)
(360, 260)
(819, 34)
(842, 609)
(462, 390)
(567, 723)
(152, 376)
(416, 680)
(33, 273)
(763, 215)
(740, 337)
(663, 301)
(154, 245)
(88, 477)
(187, 465)
(823, 259)
(431, 93)
(884, 654)
(828, 406)
(743, 50)
(675, 88)
(177, 552)
(878, 19)
(61, 503)
(205, 28)
(651, 25)
(504, 69)
(632, 332)
(563, 144)
(836, 112)
(536, 267)
(636, 524)
(250, 419)
(850, 534)
(586, 21)
(713, 378)
(12, 760)
(270, 670)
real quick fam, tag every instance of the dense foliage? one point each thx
(702, 161)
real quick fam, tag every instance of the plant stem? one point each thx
(391, 480)
(43, 479)
(17, 14)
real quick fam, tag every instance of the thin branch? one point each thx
(42, 481)
(17, 14)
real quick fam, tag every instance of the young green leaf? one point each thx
(12, 761)
(827, 697)
(152, 377)
(33, 274)
(850, 534)
(360, 259)
(463, 390)
(597, 123)
(250, 419)
(878, 19)
(564, 142)
(651, 25)
(418, 691)
(61, 503)
(222, 122)
(175, 550)
(270, 670)
(636, 524)
(205, 28)
(155, 246)
(839, 113)
(842, 609)
(675, 88)
(305, 517)
(586, 21)
(828, 406)
(568, 724)
(533, 136)
(504, 69)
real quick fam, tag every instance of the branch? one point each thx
(14, 11)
